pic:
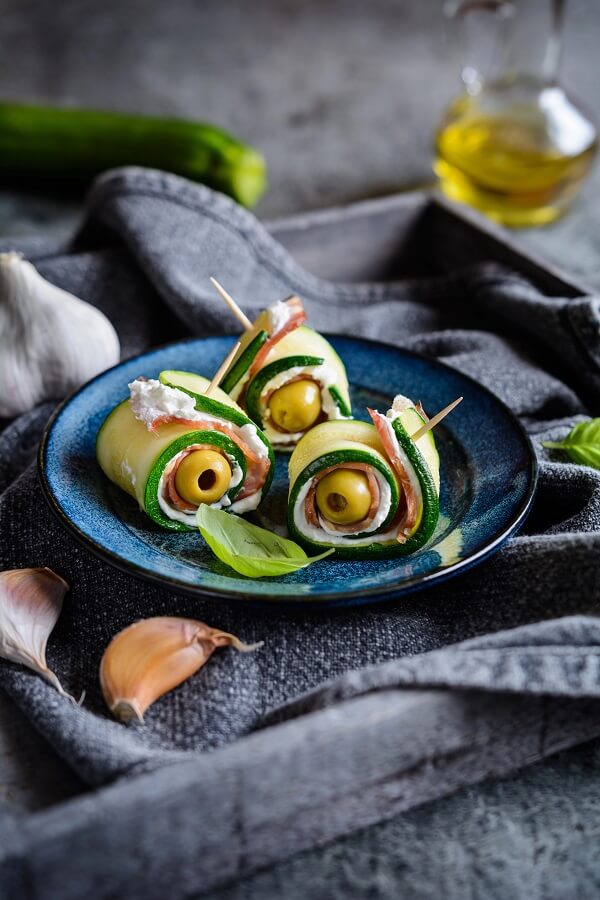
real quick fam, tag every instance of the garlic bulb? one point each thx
(151, 657)
(30, 604)
(50, 341)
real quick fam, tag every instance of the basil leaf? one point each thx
(582, 443)
(249, 549)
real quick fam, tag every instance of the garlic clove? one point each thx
(153, 656)
(51, 342)
(30, 604)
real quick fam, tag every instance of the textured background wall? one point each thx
(341, 95)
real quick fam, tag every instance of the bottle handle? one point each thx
(481, 53)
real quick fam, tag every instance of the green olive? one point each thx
(203, 476)
(296, 406)
(343, 496)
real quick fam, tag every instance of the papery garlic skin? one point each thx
(30, 604)
(51, 342)
(153, 656)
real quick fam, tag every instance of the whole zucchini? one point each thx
(79, 143)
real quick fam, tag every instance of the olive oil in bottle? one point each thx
(518, 151)
(514, 144)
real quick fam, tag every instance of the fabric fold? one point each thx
(559, 658)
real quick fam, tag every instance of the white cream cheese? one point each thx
(249, 434)
(247, 503)
(279, 315)
(157, 400)
(149, 400)
(399, 405)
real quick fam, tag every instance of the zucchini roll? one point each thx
(172, 448)
(286, 376)
(366, 489)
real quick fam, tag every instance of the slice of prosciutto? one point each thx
(410, 489)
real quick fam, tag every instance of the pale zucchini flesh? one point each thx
(127, 451)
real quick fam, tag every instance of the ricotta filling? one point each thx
(325, 533)
(279, 315)
(246, 504)
(151, 400)
(325, 376)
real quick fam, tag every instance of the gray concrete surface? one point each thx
(342, 97)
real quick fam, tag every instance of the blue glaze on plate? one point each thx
(488, 476)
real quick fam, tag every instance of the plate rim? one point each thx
(368, 596)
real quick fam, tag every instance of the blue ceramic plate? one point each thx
(488, 475)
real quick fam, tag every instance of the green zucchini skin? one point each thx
(76, 144)
(240, 367)
(338, 399)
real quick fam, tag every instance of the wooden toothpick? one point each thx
(222, 369)
(238, 313)
(434, 421)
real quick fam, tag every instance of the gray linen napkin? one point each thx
(524, 621)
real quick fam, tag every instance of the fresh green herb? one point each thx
(582, 443)
(249, 549)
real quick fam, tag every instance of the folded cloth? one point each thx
(521, 622)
